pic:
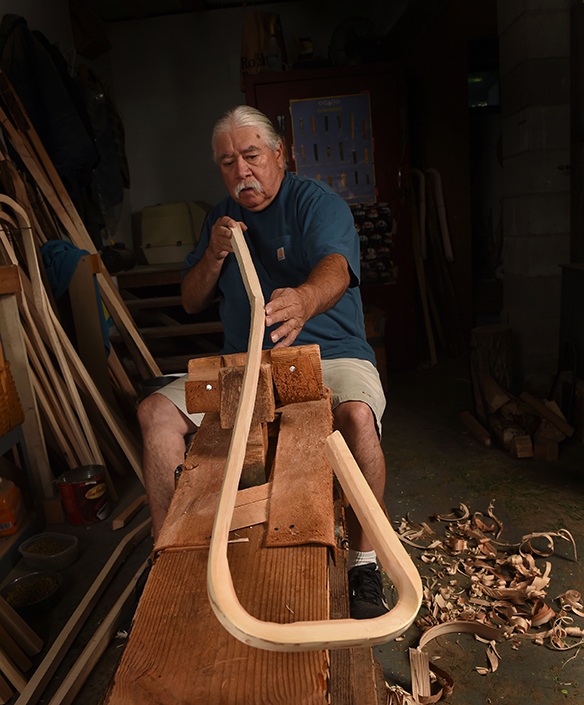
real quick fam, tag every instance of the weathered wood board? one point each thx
(179, 653)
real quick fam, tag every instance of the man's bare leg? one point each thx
(164, 429)
(356, 422)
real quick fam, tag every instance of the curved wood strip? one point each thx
(322, 634)
(68, 358)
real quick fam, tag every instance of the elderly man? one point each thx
(303, 242)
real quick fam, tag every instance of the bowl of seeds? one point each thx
(49, 551)
(34, 593)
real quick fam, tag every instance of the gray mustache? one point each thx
(249, 183)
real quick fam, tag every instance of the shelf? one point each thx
(152, 295)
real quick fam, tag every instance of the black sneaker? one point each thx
(366, 597)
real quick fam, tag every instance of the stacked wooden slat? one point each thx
(18, 642)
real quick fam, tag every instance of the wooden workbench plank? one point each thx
(301, 507)
(190, 517)
(179, 653)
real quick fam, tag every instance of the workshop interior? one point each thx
(454, 131)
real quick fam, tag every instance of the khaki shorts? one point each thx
(349, 379)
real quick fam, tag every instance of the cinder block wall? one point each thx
(534, 54)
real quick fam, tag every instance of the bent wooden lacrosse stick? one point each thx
(307, 635)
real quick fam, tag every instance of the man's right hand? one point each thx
(220, 241)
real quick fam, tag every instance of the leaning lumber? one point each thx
(31, 693)
(547, 413)
(70, 362)
(6, 691)
(26, 142)
(11, 648)
(57, 382)
(13, 343)
(78, 674)
(125, 516)
(419, 250)
(11, 672)
(21, 632)
(44, 308)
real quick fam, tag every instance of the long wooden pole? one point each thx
(67, 355)
(78, 674)
(51, 327)
(81, 447)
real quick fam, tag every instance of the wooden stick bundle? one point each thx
(71, 367)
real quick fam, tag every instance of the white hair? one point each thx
(245, 116)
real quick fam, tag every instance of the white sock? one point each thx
(361, 558)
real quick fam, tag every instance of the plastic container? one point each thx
(50, 551)
(34, 593)
(11, 507)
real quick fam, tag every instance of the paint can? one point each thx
(84, 494)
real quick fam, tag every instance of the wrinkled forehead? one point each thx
(239, 141)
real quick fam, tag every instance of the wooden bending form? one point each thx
(315, 635)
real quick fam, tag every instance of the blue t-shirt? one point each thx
(304, 223)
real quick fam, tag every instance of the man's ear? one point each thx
(280, 151)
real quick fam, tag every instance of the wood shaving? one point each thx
(500, 592)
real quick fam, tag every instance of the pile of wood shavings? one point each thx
(499, 591)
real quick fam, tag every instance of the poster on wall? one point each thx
(333, 142)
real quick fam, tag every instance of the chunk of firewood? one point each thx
(493, 394)
(479, 432)
(546, 431)
(521, 447)
(512, 408)
(544, 449)
(504, 430)
(555, 407)
(520, 414)
(547, 413)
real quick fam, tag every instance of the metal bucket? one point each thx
(85, 495)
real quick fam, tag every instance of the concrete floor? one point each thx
(433, 467)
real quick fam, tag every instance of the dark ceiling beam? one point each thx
(134, 9)
(194, 5)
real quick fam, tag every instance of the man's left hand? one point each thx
(287, 306)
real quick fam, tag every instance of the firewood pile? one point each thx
(524, 425)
